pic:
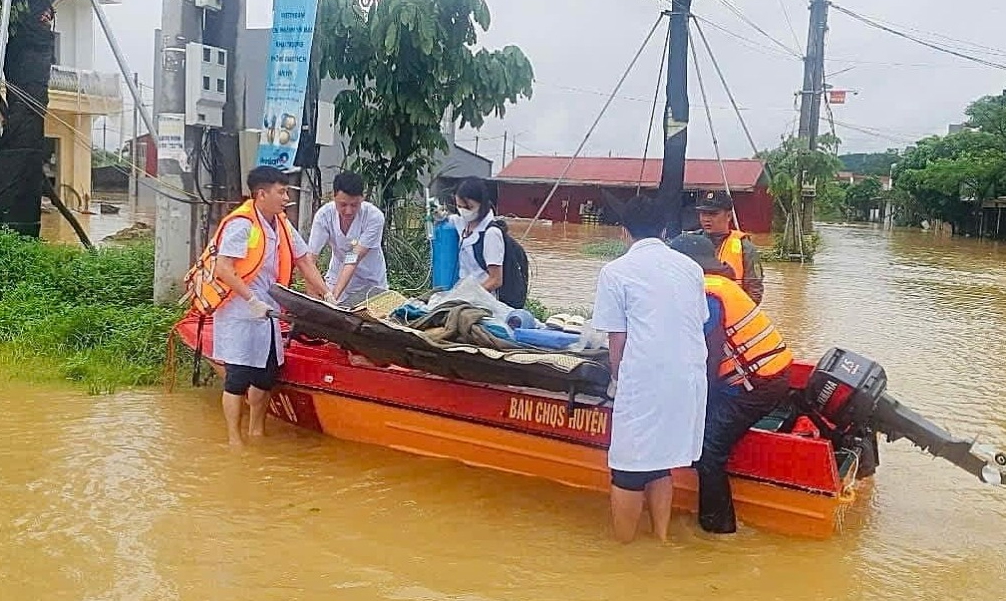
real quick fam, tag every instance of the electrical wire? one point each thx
(653, 111)
(590, 131)
(785, 14)
(42, 111)
(712, 130)
(955, 43)
(726, 88)
(917, 40)
(753, 45)
(733, 8)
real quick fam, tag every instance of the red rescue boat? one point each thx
(788, 475)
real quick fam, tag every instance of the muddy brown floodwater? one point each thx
(135, 496)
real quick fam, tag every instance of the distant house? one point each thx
(77, 95)
(848, 177)
(525, 182)
(461, 163)
(146, 154)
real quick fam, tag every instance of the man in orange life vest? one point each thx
(733, 247)
(748, 372)
(256, 247)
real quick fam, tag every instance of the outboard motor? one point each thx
(847, 400)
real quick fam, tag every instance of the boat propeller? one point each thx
(847, 393)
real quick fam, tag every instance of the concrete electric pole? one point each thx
(810, 106)
(676, 115)
(813, 73)
(176, 222)
(5, 9)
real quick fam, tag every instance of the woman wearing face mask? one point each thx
(482, 248)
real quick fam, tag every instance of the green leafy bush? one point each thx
(86, 316)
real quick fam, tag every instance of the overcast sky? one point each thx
(580, 48)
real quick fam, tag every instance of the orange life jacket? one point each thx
(731, 252)
(206, 292)
(753, 347)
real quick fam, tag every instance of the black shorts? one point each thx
(238, 378)
(636, 481)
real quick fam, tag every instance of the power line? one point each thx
(920, 41)
(853, 61)
(785, 14)
(753, 45)
(733, 8)
(877, 132)
(979, 48)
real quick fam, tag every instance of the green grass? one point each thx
(604, 249)
(542, 312)
(812, 243)
(82, 316)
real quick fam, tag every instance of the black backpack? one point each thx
(515, 269)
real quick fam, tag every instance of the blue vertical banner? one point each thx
(286, 87)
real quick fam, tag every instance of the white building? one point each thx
(77, 94)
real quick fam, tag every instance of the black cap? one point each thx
(700, 249)
(714, 201)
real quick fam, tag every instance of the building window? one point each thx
(221, 58)
(206, 55)
(206, 83)
(220, 86)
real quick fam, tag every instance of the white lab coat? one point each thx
(657, 297)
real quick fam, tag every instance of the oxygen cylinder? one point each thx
(445, 246)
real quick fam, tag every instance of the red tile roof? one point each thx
(700, 174)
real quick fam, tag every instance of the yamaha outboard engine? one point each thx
(847, 400)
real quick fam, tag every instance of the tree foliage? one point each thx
(988, 115)
(862, 196)
(409, 65)
(870, 163)
(950, 176)
(792, 167)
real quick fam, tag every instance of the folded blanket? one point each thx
(459, 321)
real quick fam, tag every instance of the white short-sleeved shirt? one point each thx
(656, 296)
(239, 338)
(493, 249)
(367, 230)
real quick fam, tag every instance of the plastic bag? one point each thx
(590, 339)
(472, 292)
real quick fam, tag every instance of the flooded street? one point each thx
(135, 496)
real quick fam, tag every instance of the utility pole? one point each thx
(134, 180)
(813, 73)
(5, 8)
(476, 143)
(175, 222)
(672, 175)
(810, 107)
(503, 164)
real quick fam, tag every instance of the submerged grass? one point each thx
(604, 249)
(66, 313)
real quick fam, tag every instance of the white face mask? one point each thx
(468, 214)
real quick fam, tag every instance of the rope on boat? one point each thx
(168, 374)
(590, 132)
(712, 130)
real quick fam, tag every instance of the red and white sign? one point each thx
(836, 96)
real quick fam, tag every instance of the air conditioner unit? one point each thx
(208, 4)
(205, 85)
